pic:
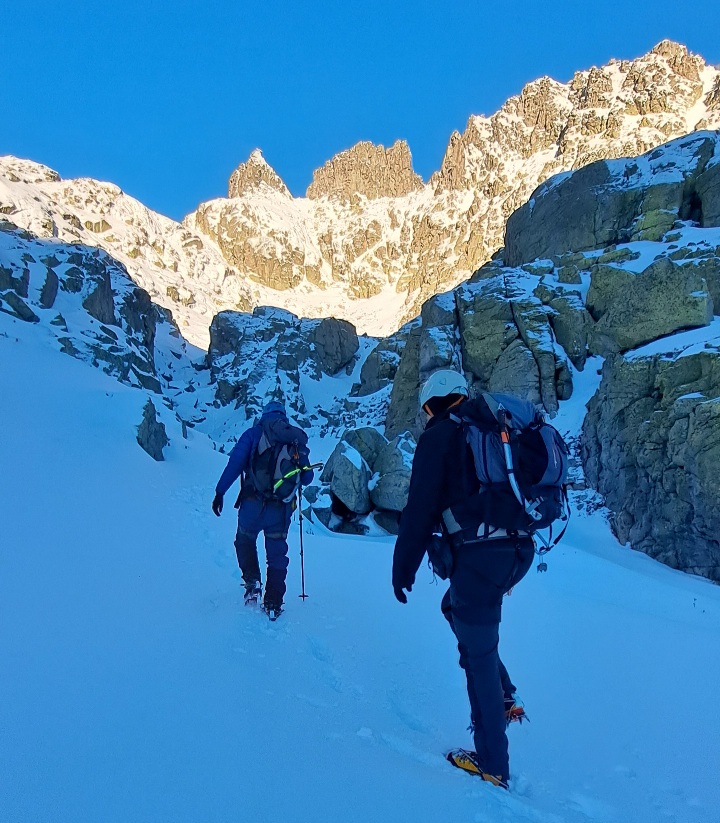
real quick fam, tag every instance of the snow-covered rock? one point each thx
(393, 467)
(85, 300)
(350, 478)
(617, 201)
(273, 354)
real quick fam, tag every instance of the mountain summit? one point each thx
(257, 172)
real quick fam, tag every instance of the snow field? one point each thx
(136, 686)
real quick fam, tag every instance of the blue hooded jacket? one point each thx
(239, 459)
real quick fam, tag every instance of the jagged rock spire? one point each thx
(369, 170)
(254, 174)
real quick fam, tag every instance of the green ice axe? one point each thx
(294, 472)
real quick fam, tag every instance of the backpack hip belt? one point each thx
(483, 533)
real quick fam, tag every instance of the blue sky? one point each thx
(166, 98)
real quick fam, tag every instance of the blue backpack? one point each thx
(521, 464)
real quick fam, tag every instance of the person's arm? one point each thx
(238, 462)
(422, 513)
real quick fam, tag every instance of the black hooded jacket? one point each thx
(444, 476)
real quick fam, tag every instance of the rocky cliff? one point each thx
(619, 260)
(370, 228)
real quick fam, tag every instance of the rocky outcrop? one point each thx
(350, 478)
(607, 203)
(651, 446)
(265, 355)
(368, 170)
(106, 319)
(498, 332)
(151, 434)
(12, 303)
(335, 344)
(251, 177)
(391, 479)
(279, 257)
(636, 309)
(404, 413)
(368, 442)
(25, 171)
(712, 98)
(708, 192)
(381, 365)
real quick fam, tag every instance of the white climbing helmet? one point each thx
(441, 384)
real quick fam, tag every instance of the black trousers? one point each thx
(472, 606)
(488, 683)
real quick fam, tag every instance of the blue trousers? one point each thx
(273, 519)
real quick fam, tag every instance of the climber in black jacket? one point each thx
(443, 476)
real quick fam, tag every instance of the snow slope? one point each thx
(136, 687)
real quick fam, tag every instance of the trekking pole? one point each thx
(303, 596)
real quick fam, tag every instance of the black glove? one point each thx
(217, 505)
(400, 594)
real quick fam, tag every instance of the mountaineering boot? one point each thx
(253, 590)
(514, 710)
(468, 762)
(272, 610)
(272, 606)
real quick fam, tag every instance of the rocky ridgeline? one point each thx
(367, 171)
(369, 225)
(618, 259)
(85, 299)
(179, 269)
(370, 234)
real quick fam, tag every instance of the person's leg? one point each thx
(524, 553)
(246, 540)
(507, 684)
(448, 615)
(482, 667)
(276, 522)
(508, 687)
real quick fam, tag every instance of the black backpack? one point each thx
(278, 460)
(521, 462)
